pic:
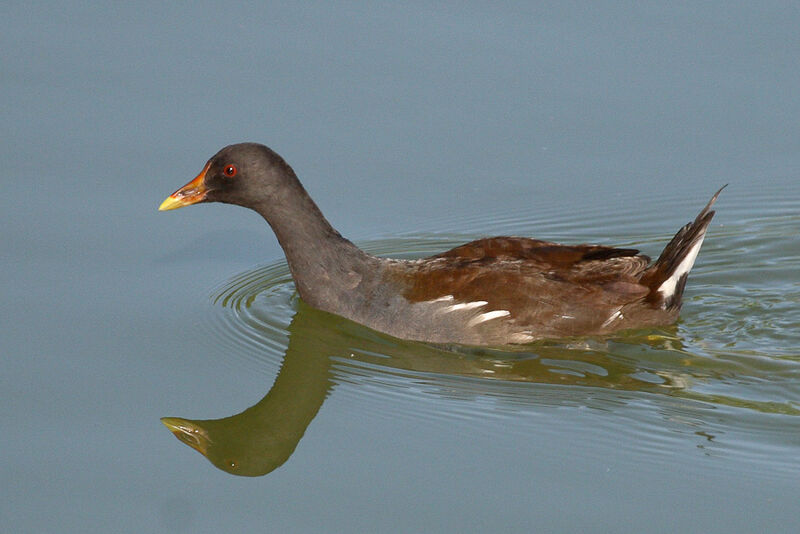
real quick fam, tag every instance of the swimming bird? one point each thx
(492, 291)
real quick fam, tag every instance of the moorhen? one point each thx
(493, 291)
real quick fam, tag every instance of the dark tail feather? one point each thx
(666, 278)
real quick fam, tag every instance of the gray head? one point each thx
(246, 174)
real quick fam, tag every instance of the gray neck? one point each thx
(325, 266)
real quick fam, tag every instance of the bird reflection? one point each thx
(262, 437)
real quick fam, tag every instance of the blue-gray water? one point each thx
(415, 128)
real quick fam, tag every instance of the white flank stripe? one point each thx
(465, 306)
(446, 298)
(667, 287)
(488, 316)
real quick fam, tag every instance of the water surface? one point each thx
(416, 128)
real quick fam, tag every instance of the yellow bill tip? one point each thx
(191, 193)
(171, 203)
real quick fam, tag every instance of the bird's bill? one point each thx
(191, 193)
(187, 432)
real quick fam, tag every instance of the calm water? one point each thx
(415, 129)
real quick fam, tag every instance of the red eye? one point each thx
(230, 171)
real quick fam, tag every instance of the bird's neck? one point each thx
(325, 266)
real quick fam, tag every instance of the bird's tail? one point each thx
(666, 278)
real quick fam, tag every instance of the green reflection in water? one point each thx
(323, 348)
(261, 438)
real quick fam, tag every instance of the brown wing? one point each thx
(550, 255)
(577, 263)
(537, 281)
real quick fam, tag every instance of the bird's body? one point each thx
(492, 291)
